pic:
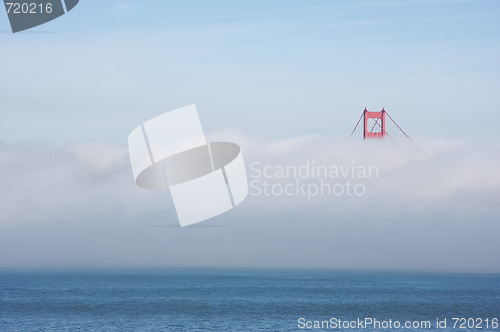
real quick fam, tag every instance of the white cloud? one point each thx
(44, 184)
(125, 7)
(99, 158)
(76, 183)
(437, 210)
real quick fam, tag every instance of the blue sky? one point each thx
(287, 81)
(310, 67)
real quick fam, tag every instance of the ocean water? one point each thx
(241, 300)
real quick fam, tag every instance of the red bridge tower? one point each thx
(374, 124)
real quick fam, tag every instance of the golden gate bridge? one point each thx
(375, 125)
